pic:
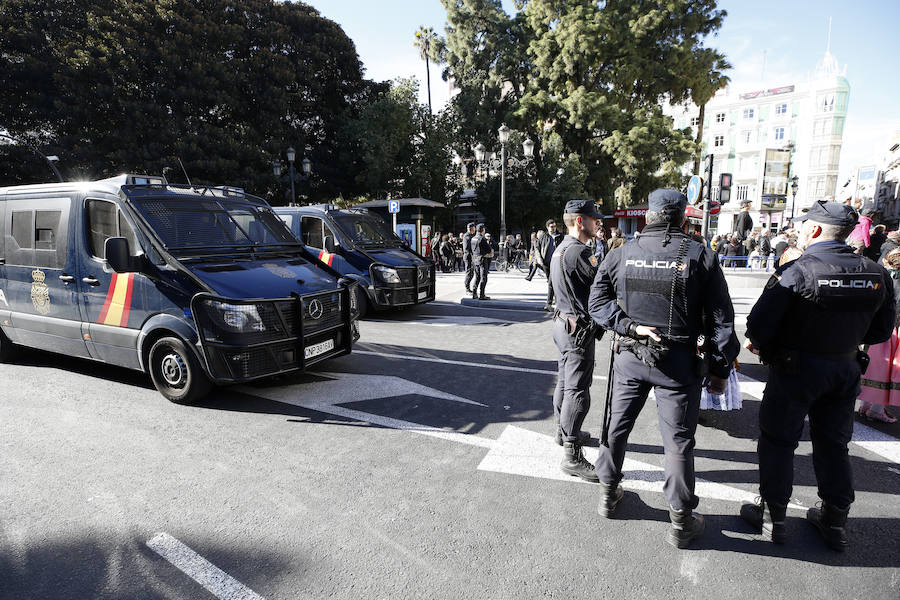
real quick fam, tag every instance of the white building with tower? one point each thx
(765, 137)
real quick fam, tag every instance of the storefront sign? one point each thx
(787, 89)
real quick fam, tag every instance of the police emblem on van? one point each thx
(40, 293)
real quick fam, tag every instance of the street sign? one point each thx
(695, 186)
(394, 207)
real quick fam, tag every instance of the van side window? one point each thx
(312, 232)
(103, 221)
(34, 238)
(46, 226)
(327, 232)
(22, 228)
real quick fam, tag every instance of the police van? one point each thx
(362, 246)
(195, 285)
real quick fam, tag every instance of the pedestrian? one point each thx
(659, 293)
(744, 224)
(572, 269)
(781, 242)
(601, 247)
(482, 253)
(876, 241)
(859, 238)
(892, 241)
(460, 264)
(807, 326)
(536, 261)
(467, 255)
(448, 254)
(791, 252)
(616, 238)
(555, 238)
(881, 384)
(765, 244)
(436, 249)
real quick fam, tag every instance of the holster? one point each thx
(582, 330)
(649, 351)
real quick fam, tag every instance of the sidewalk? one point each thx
(512, 292)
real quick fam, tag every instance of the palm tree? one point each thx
(424, 40)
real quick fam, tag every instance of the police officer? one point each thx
(659, 292)
(572, 269)
(807, 326)
(467, 255)
(482, 253)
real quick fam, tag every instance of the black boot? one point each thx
(830, 522)
(609, 499)
(584, 437)
(574, 463)
(483, 297)
(686, 527)
(766, 518)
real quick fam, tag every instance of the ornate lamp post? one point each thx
(493, 162)
(794, 186)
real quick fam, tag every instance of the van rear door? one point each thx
(41, 274)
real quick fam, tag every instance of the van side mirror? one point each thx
(118, 255)
(329, 244)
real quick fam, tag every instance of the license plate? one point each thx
(423, 295)
(317, 349)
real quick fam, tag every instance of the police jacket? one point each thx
(572, 269)
(677, 287)
(826, 302)
(481, 248)
(467, 243)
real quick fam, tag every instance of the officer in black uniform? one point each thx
(572, 270)
(467, 255)
(807, 326)
(482, 253)
(660, 292)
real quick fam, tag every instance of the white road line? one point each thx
(463, 363)
(215, 580)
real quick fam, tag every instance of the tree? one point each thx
(425, 39)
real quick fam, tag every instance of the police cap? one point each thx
(470, 225)
(666, 200)
(831, 213)
(582, 207)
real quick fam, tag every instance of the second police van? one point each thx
(361, 245)
(194, 285)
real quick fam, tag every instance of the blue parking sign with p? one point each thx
(394, 206)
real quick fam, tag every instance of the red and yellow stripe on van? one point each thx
(118, 300)
(326, 257)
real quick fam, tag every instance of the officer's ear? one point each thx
(815, 231)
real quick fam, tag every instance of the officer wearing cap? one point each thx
(807, 326)
(660, 292)
(482, 253)
(572, 269)
(467, 255)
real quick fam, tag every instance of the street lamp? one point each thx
(50, 159)
(291, 155)
(794, 186)
(492, 163)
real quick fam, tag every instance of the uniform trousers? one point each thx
(572, 396)
(482, 267)
(470, 268)
(676, 385)
(826, 390)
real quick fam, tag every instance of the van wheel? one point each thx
(8, 351)
(176, 373)
(362, 302)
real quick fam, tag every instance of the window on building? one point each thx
(819, 127)
(743, 192)
(779, 133)
(746, 136)
(695, 121)
(781, 109)
(826, 103)
(720, 117)
(719, 141)
(749, 113)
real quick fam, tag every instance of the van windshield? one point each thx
(366, 230)
(189, 224)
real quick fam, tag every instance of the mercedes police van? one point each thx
(195, 285)
(362, 246)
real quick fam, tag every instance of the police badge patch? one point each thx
(40, 293)
(593, 260)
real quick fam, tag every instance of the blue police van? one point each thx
(362, 246)
(195, 285)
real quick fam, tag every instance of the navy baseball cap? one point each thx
(666, 198)
(830, 213)
(582, 207)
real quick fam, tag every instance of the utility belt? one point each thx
(787, 359)
(581, 329)
(651, 353)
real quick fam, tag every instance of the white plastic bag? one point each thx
(730, 400)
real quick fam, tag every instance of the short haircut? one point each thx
(675, 218)
(479, 228)
(569, 219)
(834, 233)
(550, 222)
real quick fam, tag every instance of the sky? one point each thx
(768, 42)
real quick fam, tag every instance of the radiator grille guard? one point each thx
(417, 285)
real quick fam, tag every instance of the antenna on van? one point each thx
(183, 170)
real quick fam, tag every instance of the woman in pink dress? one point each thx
(881, 381)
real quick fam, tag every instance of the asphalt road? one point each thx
(421, 466)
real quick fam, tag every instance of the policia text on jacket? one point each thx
(194, 285)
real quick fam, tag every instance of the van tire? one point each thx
(8, 350)
(176, 373)
(362, 302)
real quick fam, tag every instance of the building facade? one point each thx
(765, 137)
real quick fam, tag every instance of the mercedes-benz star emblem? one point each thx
(315, 309)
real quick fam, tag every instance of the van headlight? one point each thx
(241, 318)
(386, 274)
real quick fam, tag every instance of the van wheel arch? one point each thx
(175, 369)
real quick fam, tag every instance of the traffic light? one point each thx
(724, 187)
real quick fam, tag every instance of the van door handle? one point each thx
(90, 280)
(65, 277)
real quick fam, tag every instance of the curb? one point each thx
(503, 304)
